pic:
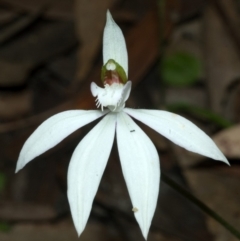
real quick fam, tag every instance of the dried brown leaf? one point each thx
(90, 21)
(63, 231)
(6, 16)
(16, 211)
(15, 105)
(61, 9)
(228, 141)
(17, 26)
(222, 60)
(30, 50)
(218, 189)
(13, 74)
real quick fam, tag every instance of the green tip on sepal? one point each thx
(113, 72)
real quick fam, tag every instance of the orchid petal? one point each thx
(54, 130)
(114, 46)
(180, 131)
(86, 168)
(126, 92)
(140, 165)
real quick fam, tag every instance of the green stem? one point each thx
(201, 205)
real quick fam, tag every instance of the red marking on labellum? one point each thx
(112, 76)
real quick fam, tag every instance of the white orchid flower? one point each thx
(138, 156)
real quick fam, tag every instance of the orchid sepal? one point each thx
(114, 45)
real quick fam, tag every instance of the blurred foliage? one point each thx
(180, 69)
(4, 227)
(200, 113)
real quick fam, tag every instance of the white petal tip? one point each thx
(145, 230)
(80, 227)
(79, 232)
(222, 158)
(94, 89)
(145, 234)
(110, 19)
(18, 167)
(225, 161)
(129, 84)
(109, 15)
(126, 90)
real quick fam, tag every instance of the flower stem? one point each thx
(201, 205)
